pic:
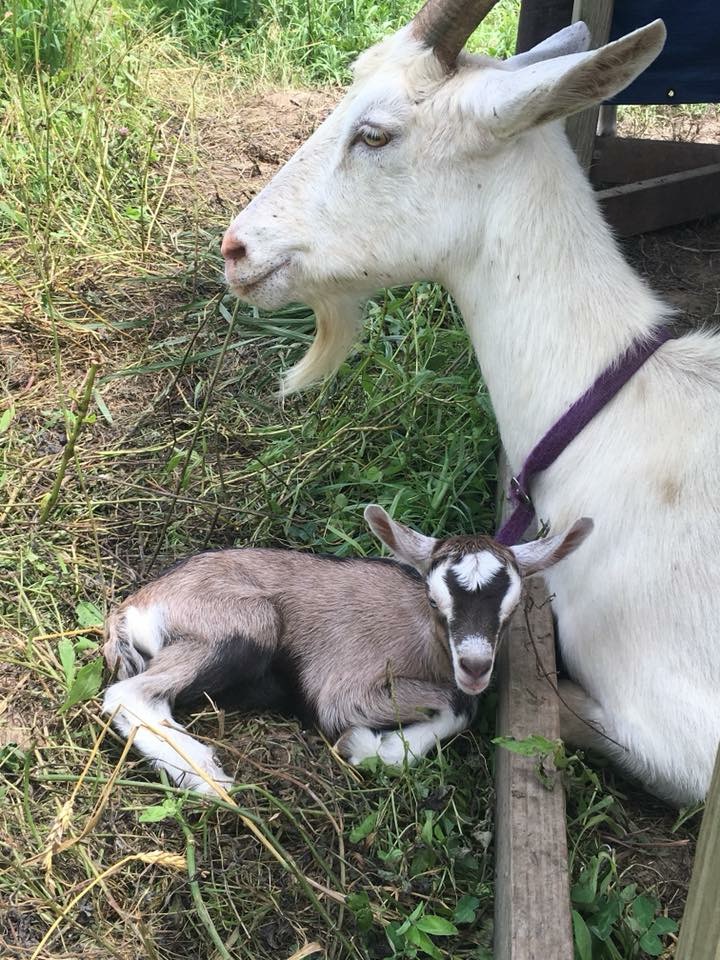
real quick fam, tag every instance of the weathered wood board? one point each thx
(597, 14)
(532, 897)
(700, 927)
(652, 204)
(619, 160)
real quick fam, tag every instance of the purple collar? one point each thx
(570, 424)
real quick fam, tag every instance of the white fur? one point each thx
(411, 743)
(474, 570)
(145, 629)
(512, 595)
(155, 734)
(361, 743)
(476, 646)
(438, 590)
(478, 191)
(417, 739)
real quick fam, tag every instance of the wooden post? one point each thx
(539, 19)
(581, 127)
(700, 928)
(532, 897)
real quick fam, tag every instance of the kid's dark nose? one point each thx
(475, 667)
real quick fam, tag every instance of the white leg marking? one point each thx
(358, 744)
(134, 709)
(145, 628)
(417, 739)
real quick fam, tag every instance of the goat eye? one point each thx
(372, 137)
(432, 603)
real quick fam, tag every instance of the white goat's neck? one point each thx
(547, 298)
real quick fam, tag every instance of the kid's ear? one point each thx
(541, 554)
(548, 89)
(408, 545)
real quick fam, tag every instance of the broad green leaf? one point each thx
(409, 921)
(390, 857)
(66, 652)
(88, 614)
(628, 893)
(651, 944)
(85, 643)
(465, 910)
(608, 913)
(582, 938)
(422, 942)
(6, 418)
(86, 684)
(359, 903)
(365, 828)
(650, 941)
(585, 890)
(392, 932)
(160, 811)
(424, 860)
(426, 834)
(643, 911)
(437, 926)
(532, 746)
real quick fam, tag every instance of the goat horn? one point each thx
(445, 25)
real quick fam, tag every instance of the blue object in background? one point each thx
(688, 69)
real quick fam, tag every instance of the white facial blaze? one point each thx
(512, 595)
(438, 590)
(475, 647)
(476, 569)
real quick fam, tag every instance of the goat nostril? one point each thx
(475, 668)
(231, 248)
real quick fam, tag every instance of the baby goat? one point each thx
(357, 646)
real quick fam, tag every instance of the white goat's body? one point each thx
(473, 185)
(638, 609)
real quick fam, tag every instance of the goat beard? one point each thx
(338, 321)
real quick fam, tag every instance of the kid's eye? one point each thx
(432, 603)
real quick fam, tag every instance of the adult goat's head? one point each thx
(474, 585)
(380, 194)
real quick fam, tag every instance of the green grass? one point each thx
(137, 424)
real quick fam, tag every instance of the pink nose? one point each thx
(231, 248)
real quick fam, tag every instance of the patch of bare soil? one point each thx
(239, 149)
(654, 850)
(683, 265)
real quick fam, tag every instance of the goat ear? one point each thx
(551, 89)
(540, 554)
(572, 39)
(408, 545)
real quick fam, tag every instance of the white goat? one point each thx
(356, 646)
(450, 167)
